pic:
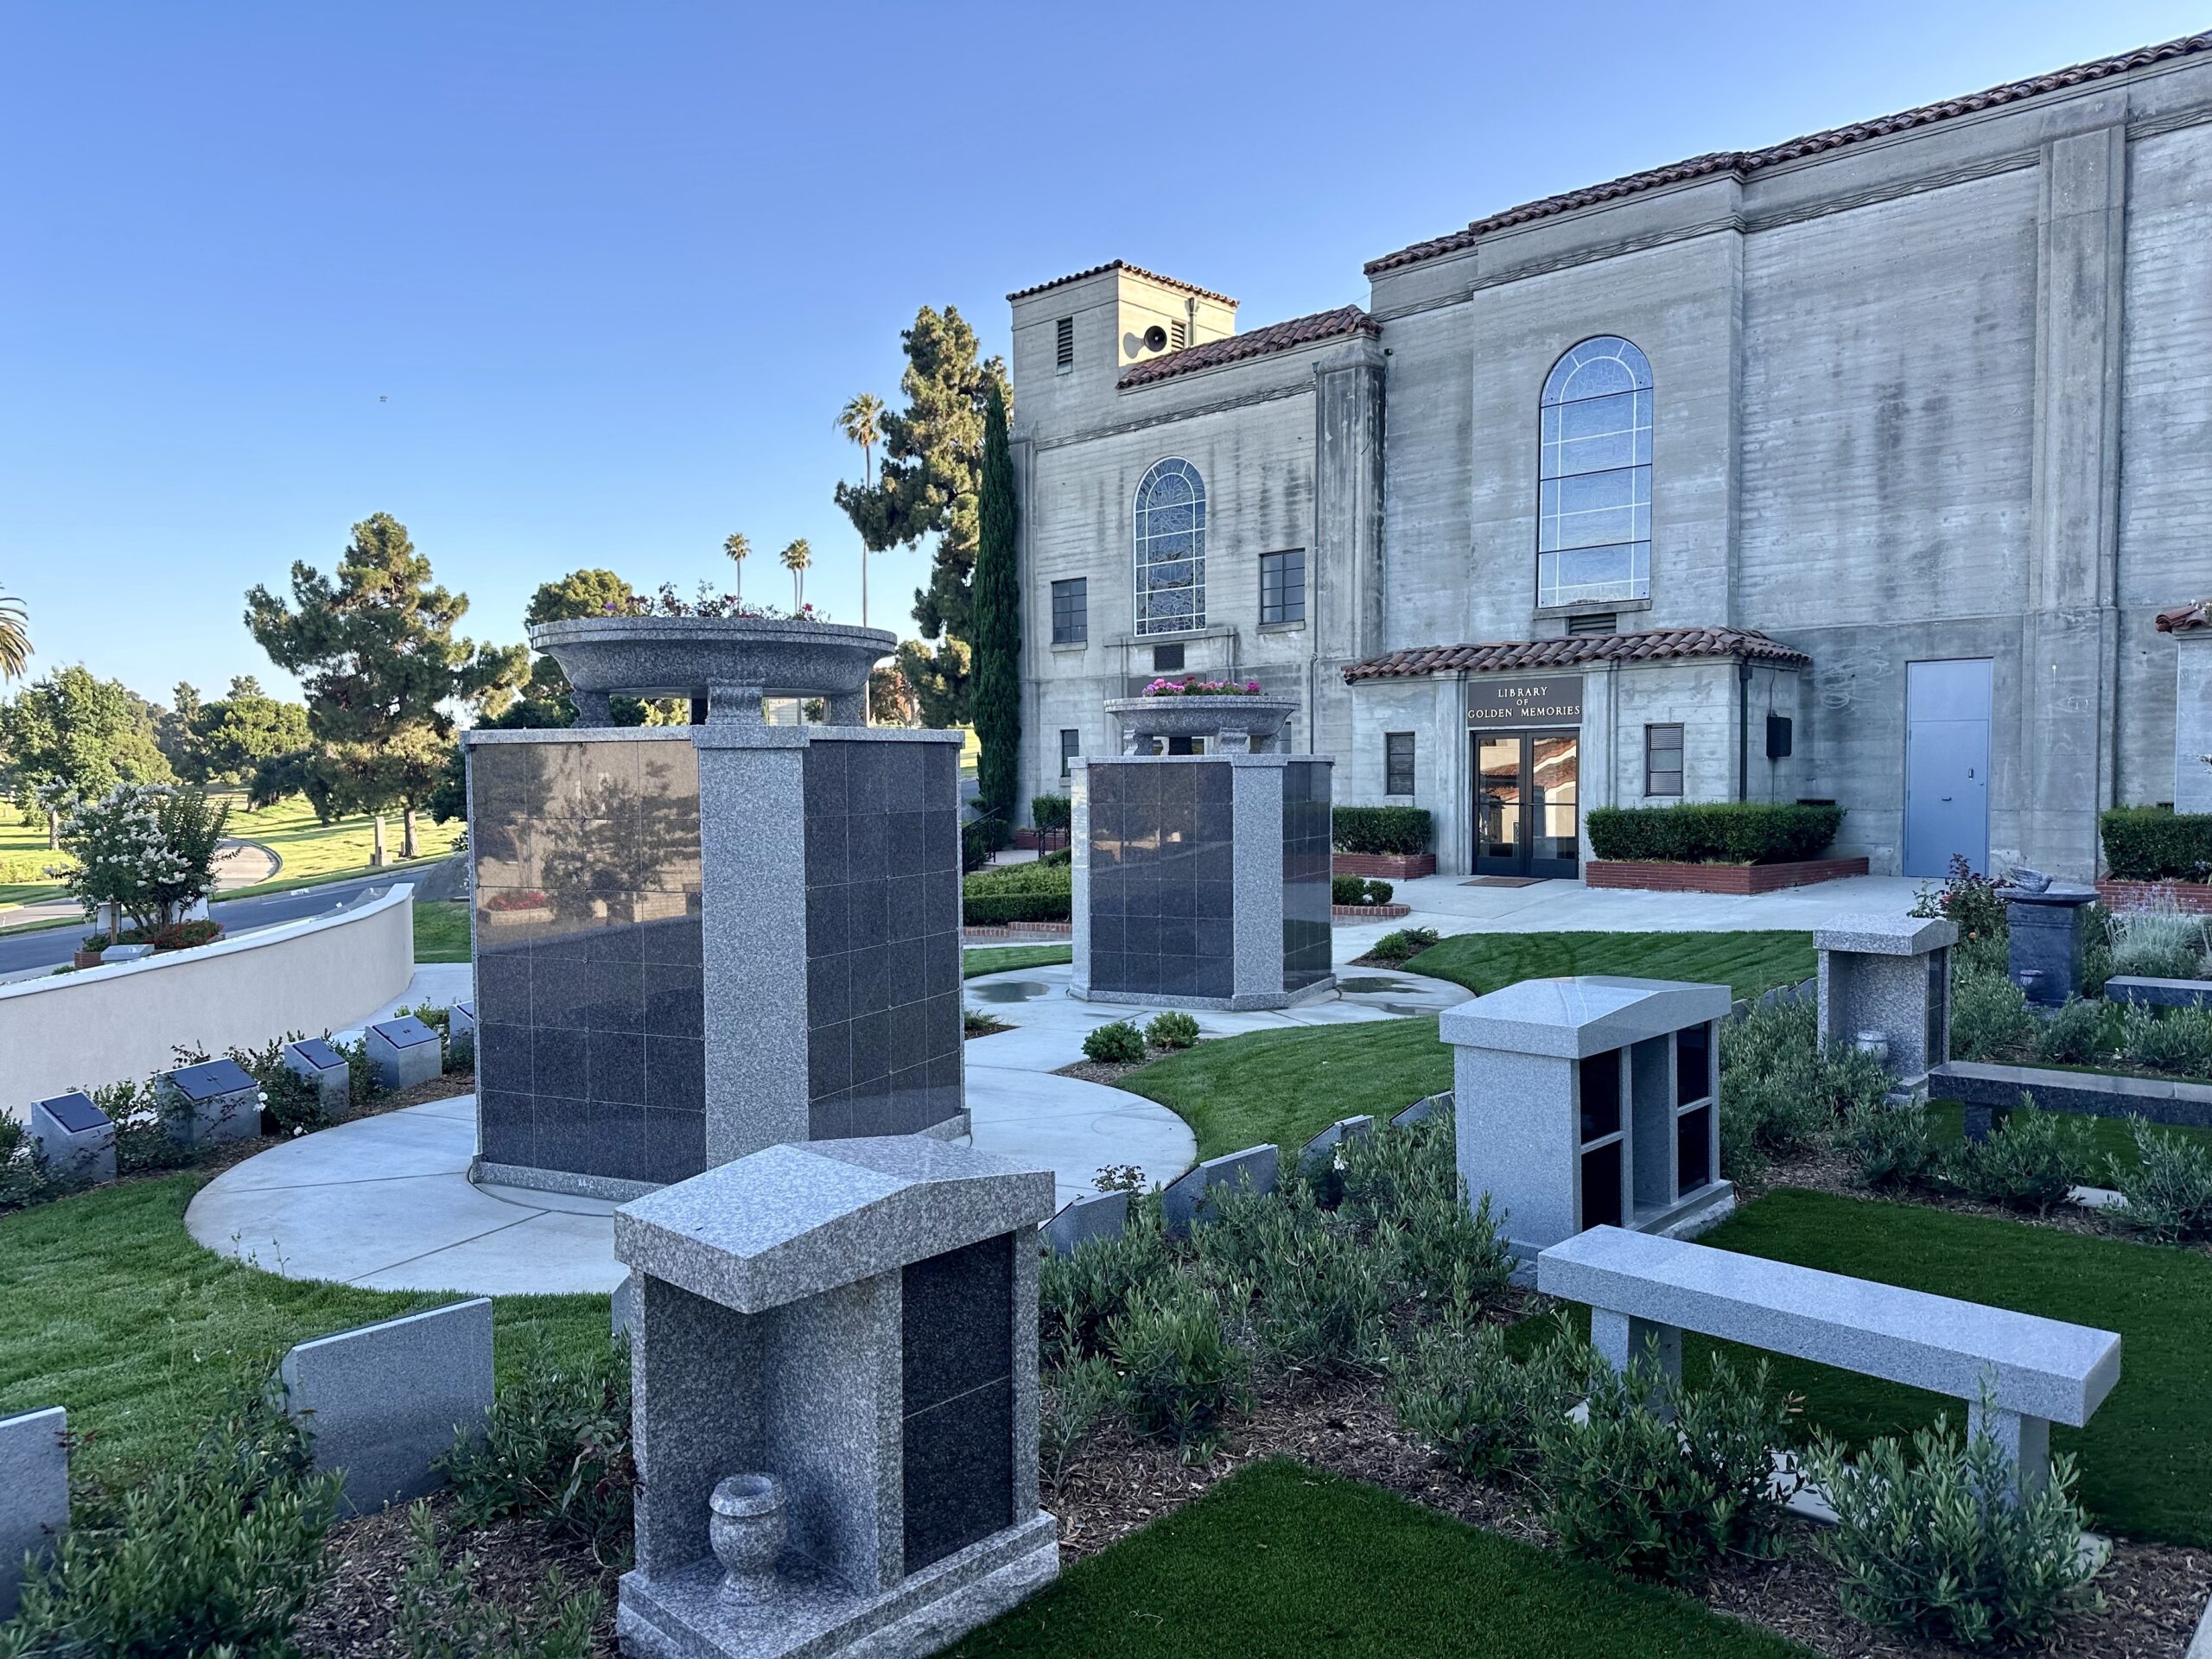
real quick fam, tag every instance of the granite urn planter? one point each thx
(707, 658)
(1231, 724)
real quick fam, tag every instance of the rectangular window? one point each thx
(1663, 759)
(1064, 343)
(1282, 587)
(1070, 746)
(1072, 612)
(1397, 763)
(1167, 659)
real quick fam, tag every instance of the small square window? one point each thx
(1064, 343)
(1282, 587)
(1070, 746)
(1663, 759)
(1397, 763)
(1072, 612)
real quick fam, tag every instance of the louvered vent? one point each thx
(1179, 335)
(1064, 343)
(1594, 622)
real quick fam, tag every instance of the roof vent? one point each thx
(1064, 343)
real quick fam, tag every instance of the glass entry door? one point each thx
(1526, 806)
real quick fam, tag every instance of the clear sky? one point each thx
(563, 284)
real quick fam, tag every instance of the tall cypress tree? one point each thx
(997, 689)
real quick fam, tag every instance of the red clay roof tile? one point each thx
(1654, 645)
(1345, 320)
(1134, 270)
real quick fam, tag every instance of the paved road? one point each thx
(56, 945)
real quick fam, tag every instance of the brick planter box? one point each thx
(1020, 931)
(1391, 866)
(1741, 880)
(2138, 895)
(1368, 913)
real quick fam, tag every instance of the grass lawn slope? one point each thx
(1000, 958)
(1747, 962)
(1280, 1561)
(107, 1306)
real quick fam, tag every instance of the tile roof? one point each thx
(1235, 348)
(1742, 162)
(1652, 645)
(2186, 619)
(1134, 270)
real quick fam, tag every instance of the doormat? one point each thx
(1505, 881)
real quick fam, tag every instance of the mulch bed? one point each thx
(1112, 1072)
(2154, 1593)
(1387, 963)
(351, 1615)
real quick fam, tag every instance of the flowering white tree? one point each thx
(148, 853)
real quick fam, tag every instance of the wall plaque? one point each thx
(1541, 699)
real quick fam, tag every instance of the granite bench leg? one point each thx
(1620, 1338)
(2026, 1440)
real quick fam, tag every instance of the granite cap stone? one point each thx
(406, 1032)
(75, 1112)
(315, 1053)
(210, 1080)
(1580, 1015)
(1868, 934)
(793, 1221)
(2038, 1367)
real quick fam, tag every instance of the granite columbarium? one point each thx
(1886, 986)
(695, 942)
(835, 1381)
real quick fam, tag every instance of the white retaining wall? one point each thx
(104, 1024)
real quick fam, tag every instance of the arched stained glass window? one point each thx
(1171, 527)
(1594, 513)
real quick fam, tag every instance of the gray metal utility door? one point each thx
(1946, 765)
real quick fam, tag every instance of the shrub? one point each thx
(1989, 1016)
(1664, 1479)
(1405, 943)
(1358, 890)
(1719, 832)
(1018, 892)
(2078, 1032)
(2031, 1159)
(1118, 1044)
(1781, 1092)
(1932, 1541)
(1458, 1392)
(1323, 1291)
(1182, 1378)
(2156, 941)
(1173, 1029)
(555, 1446)
(1449, 1255)
(2154, 843)
(441, 1616)
(1968, 899)
(975, 1022)
(143, 1140)
(218, 1557)
(1889, 1146)
(1402, 830)
(1074, 1398)
(2179, 1040)
(1079, 1293)
(2168, 1195)
(1051, 812)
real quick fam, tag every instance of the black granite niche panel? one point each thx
(1162, 876)
(1305, 874)
(957, 1397)
(883, 935)
(591, 1053)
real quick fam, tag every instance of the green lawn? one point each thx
(1288, 1086)
(442, 930)
(108, 1307)
(312, 852)
(1749, 963)
(1281, 1561)
(2145, 1457)
(1000, 958)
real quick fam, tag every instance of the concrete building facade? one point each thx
(1855, 469)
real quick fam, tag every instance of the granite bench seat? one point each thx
(1644, 1292)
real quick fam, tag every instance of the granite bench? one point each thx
(1645, 1290)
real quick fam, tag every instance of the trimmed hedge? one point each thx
(1018, 892)
(2154, 843)
(1719, 832)
(1050, 811)
(1358, 890)
(1380, 829)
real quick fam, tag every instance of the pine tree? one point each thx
(928, 485)
(996, 697)
(375, 652)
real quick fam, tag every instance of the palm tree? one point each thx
(15, 637)
(861, 420)
(796, 558)
(738, 550)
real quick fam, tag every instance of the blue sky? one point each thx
(564, 284)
